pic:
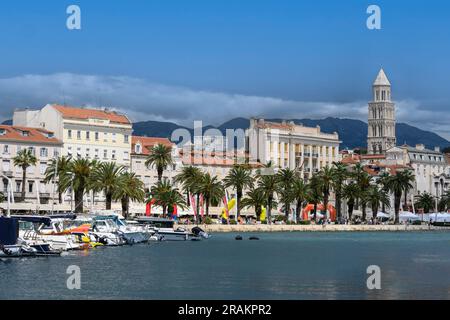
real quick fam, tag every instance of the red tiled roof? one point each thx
(148, 143)
(84, 114)
(35, 135)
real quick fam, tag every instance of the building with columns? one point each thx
(292, 146)
(381, 120)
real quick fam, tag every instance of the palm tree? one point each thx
(358, 174)
(160, 157)
(106, 177)
(211, 189)
(425, 202)
(255, 198)
(268, 185)
(397, 184)
(383, 181)
(24, 159)
(131, 188)
(77, 177)
(408, 176)
(340, 174)
(285, 180)
(55, 170)
(364, 185)
(326, 179)
(2, 197)
(377, 195)
(166, 196)
(188, 178)
(315, 192)
(351, 193)
(300, 194)
(444, 203)
(238, 178)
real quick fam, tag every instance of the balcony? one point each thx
(8, 173)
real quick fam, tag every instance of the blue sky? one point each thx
(218, 59)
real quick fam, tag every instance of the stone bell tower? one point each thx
(381, 133)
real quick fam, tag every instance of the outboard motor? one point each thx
(200, 233)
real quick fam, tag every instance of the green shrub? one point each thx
(232, 221)
(304, 222)
(207, 220)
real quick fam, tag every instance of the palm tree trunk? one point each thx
(108, 200)
(197, 218)
(315, 211)
(79, 201)
(397, 200)
(207, 207)
(238, 203)
(298, 210)
(325, 203)
(125, 203)
(24, 179)
(269, 210)
(364, 215)
(350, 211)
(160, 174)
(338, 206)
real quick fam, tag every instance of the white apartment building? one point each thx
(292, 146)
(86, 133)
(44, 145)
(431, 170)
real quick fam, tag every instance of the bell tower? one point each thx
(381, 121)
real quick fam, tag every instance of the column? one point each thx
(302, 161)
(275, 153)
(282, 154)
(310, 158)
(319, 155)
(291, 155)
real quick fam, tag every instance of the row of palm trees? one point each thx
(264, 188)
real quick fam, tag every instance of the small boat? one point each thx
(132, 234)
(11, 246)
(238, 238)
(197, 231)
(105, 231)
(253, 238)
(164, 229)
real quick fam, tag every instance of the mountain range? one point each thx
(352, 133)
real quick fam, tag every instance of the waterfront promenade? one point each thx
(212, 228)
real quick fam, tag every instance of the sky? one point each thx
(214, 60)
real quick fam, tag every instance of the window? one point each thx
(88, 135)
(113, 156)
(79, 153)
(43, 167)
(126, 138)
(55, 153)
(6, 165)
(18, 186)
(69, 151)
(105, 154)
(105, 136)
(79, 135)
(33, 151)
(88, 151)
(6, 149)
(138, 149)
(126, 155)
(44, 152)
(30, 186)
(96, 153)
(96, 136)
(69, 134)
(113, 137)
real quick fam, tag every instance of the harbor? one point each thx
(280, 265)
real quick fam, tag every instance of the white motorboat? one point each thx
(106, 231)
(164, 229)
(132, 234)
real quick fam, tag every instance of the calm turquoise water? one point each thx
(279, 266)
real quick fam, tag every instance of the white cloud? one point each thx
(143, 100)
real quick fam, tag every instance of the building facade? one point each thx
(45, 147)
(288, 145)
(431, 170)
(86, 133)
(381, 117)
(140, 150)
